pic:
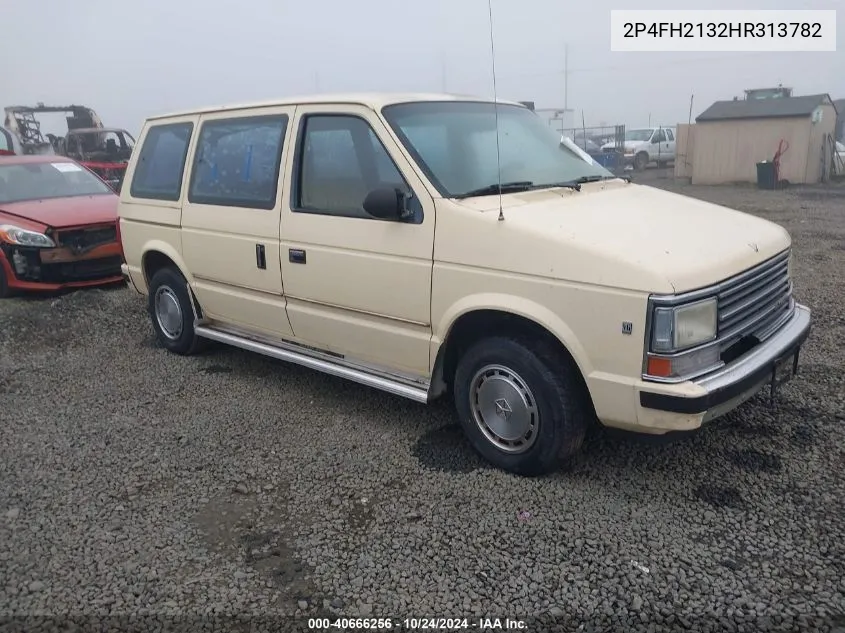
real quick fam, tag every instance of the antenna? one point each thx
(495, 109)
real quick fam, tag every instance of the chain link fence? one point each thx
(603, 143)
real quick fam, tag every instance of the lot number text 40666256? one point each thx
(417, 624)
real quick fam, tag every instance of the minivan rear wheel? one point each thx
(170, 310)
(521, 405)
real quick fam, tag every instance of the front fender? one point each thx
(519, 306)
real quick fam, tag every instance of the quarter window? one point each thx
(237, 162)
(161, 162)
(340, 160)
(670, 136)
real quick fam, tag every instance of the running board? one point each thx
(320, 362)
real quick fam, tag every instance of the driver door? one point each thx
(355, 285)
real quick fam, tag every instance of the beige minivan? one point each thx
(425, 244)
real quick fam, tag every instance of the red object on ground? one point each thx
(82, 226)
(782, 147)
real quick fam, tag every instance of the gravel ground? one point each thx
(138, 482)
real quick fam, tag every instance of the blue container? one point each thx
(608, 160)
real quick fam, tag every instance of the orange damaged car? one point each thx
(58, 226)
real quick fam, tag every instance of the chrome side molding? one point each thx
(292, 353)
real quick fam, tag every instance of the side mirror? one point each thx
(387, 203)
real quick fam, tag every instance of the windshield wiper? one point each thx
(569, 184)
(491, 190)
(585, 179)
(576, 183)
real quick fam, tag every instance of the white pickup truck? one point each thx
(646, 145)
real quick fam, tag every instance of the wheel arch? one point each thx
(644, 152)
(489, 315)
(158, 255)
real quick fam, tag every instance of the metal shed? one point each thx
(730, 137)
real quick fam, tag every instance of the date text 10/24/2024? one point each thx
(416, 624)
(723, 31)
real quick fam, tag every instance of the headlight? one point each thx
(684, 326)
(22, 237)
(678, 345)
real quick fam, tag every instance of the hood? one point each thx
(65, 212)
(623, 235)
(627, 145)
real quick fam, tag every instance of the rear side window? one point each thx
(237, 162)
(161, 162)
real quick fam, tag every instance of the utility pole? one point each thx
(566, 77)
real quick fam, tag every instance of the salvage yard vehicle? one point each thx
(58, 226)
(105, 151)
(384, 239)
(645, 146)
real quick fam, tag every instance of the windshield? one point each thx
(638, 135)
(39, 181)
(454, 143)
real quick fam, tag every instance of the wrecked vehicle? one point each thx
(105, 151)
(58, 226)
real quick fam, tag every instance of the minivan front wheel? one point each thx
(520, 404)
(171, 313)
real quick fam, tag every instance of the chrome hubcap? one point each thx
(504, 408)
(168, 312)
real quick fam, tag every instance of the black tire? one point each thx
(173, 288)
(562, 407)
(641, 161)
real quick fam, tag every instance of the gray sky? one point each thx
(130, 59)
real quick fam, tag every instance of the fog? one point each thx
(128, 60)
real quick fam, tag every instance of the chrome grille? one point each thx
(756, 302)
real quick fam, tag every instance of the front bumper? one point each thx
(730, 386)
(43, 269)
